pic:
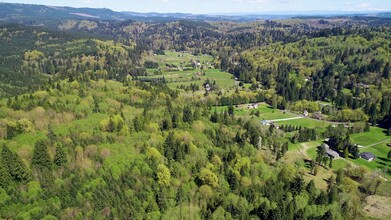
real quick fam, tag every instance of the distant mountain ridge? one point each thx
(41, 14)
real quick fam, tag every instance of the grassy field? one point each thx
(178, 58)
(265, 112)
(184, 75)
(307, 123)
(375, 135)
(381, 162)
(381, 150)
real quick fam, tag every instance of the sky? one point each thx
(221, 6)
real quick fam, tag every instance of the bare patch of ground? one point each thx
(378, 207)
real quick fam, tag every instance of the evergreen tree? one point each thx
(367, 127)
(60, 158)
(231, 110)
(5, 177)
(14, 165)
(340, 176)
(355, 151)
(372, 114)
(311, 190)
(41, 156)
(169, 146)
(386, 71)
(187, 115)
(51, 135)
(321, 155)
(346, 152)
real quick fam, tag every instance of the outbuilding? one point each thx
(367, 156)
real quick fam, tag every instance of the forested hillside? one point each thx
(105, 149)
(352, 70)
(195, 119)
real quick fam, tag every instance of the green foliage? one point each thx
(5, 177)
(14, 165)
(163, 175)
(208, 177)
(60, 157)
(17, 127)
(41, 158)
(141, 150)
(114, 124)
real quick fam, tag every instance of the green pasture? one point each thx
(178, 58)
(375, 135)
(306, 123)
(266, 112)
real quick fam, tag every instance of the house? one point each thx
(367, 156)
(305, 113)
(254, 105)
(265, 122)
(332, 154)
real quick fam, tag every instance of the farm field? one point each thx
(183, 69)
(178, 58)
(307, 123)
(375, 135)
(266, 112)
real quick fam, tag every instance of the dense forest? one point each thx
(188, 119)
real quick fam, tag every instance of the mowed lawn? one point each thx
(306, 123)
(375, 135)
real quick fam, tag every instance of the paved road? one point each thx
(285, 119)
(377, 143)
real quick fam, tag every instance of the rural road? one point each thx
(285, 119)
(377, 143)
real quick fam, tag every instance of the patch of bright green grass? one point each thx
(306, 123)
(265, 112)
(375, 135)
(339, 164)
(86, 124)
(380, 163)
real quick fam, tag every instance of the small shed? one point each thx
(367, 156)
(305, 113)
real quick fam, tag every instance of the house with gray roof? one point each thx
(367, 156)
